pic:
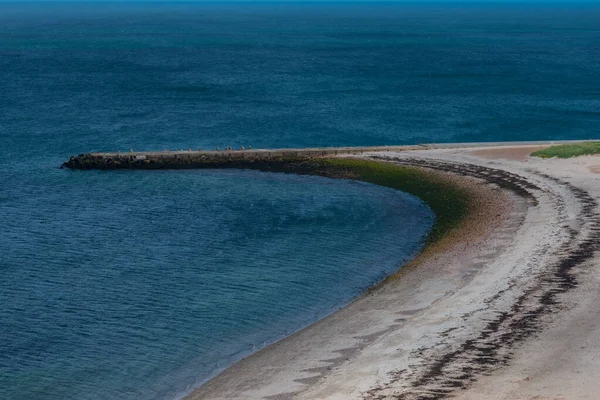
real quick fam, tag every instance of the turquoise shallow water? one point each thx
(139, 285)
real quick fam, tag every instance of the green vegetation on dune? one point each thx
(569, 150)
(449, 202)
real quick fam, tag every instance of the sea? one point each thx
(144, 284)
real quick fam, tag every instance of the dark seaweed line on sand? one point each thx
(439, 376)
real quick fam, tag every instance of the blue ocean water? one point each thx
(136, 285)
(141, 284)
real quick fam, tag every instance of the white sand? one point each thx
(509, 311)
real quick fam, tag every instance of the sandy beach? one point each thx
(504, 307)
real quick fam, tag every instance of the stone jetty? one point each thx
(204, 159)
(239, 158)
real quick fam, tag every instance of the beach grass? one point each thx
(569, 150)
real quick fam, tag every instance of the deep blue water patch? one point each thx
(135, 285)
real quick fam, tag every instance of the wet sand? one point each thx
(517, 153)
(502, 308)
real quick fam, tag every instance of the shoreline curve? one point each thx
(452, 201)
(464, 323)
(502, 307)
(460, 205)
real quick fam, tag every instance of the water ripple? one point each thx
(134, 294)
